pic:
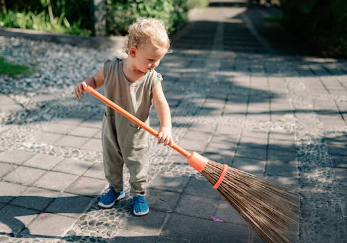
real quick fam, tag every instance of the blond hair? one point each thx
(147, 30)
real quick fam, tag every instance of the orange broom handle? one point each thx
(132, 118)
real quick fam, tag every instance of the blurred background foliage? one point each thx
(75, 16)
(121, 13)
(322, 22)
(57, 16)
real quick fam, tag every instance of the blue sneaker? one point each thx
(140, 206)
(110, 197)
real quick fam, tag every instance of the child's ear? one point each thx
(132, 51)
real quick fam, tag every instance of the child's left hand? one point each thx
(164, 136)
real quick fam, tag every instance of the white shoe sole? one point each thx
(121, 196)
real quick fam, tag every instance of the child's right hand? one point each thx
(79, 91)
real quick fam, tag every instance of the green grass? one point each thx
(13, 70)
(40, 21)
(277, 19)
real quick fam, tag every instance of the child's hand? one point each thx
(164, 136)
(79, 91)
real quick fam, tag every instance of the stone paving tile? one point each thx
(93, 123)
(96, 171)
(55, 181)
(197, 206)
(15, 157)
(59, 128)
(128, 236)
(169, 183)
(70, 120)
(252, 166)
(24, 175)
(285, 156)
(163, 201)
(6, 168)
(197, 146)
(201, 187)
(71, 141)
(281, 168)
(48, 224)
(35, 198)
(87, 186)
(186, 228)
(93, 145)
(218, 232)
(227, 214)
(43, 161)
(8, 191)
(46, 137)
(251, 152)
(151, 224)
(83, 131)
(69, 205)
(72, 166)
(15, 219)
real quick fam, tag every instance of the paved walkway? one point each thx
(242, 92)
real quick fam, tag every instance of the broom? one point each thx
(271, 210)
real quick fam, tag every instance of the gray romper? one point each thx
(124, 142)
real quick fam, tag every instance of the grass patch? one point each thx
(40, 21)
(13, 70)
(276, 19)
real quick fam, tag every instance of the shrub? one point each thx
(121, 13)
(324, 23)
(40, 21)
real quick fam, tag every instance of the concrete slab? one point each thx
(87, 186)
(69, 205)
(93, 145)
(24, 175)
(96, 171)
(73, 166)
(43, 161)
(55, 181)
(15, 219)
(169, 183)
(49, 224)
(6, 168)
(197, 206)
(162, 201)
(35, 198)
(151, 224)
(8, 191)
(201, 187)
(15, 156)
(71, 141)
(186, 228)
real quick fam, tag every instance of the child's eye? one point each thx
(151, 60)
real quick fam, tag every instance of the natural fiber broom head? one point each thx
(271, 210)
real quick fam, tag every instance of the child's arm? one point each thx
(163, 111)
(95, 82)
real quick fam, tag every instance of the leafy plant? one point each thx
(324, 23)
(197, 3)
(120, 14)
(39, 21)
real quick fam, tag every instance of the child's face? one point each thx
(148, 56)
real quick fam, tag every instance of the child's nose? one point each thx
(156, 64)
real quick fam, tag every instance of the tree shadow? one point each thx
(41, 214)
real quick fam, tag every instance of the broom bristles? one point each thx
(269, 209)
